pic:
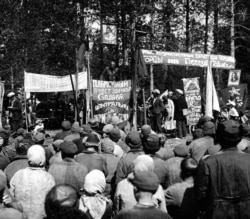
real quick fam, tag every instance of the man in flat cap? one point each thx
(68, 171)
(15, 111)
(145, 185)
(222, 180)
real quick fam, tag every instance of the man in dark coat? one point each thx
(157, 107)
(222, 182)
(180, 104)
(15, 111)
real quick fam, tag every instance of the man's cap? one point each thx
(66, 125)
(20, 131)
(68, 147)
(151, 143)
(86, 129)
(57, 143)
(23, 146)
(146, 181)
(209, 128)
(181, 150)
(133, 140)
(92, 141)
(115, 134)
(146, 129)
(115, 120)
(38, 137)
(229, 131)
(107, 128)
(107, 145)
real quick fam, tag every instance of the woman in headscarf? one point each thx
(124, 197)
(93, 203)
(30, 185)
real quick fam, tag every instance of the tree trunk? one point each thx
(232, 30)
(206, 26)
(187, 26)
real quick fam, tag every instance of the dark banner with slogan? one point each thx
(111, 98)
(238, 93)
(188, 59)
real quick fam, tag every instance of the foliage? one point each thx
(42, 36)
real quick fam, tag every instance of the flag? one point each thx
(237, 93)
(141, 68)
(80, 55)
(212, 102)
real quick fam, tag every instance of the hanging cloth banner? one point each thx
(193, 98)
(237, 93)
(111, 98)
(188, 59)
(50, 83)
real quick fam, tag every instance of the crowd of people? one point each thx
(94, 172)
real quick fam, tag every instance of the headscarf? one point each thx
(95, 203)
(143, 163)
(36, 155)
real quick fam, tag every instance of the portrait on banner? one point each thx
(234, 77)
(109, 34)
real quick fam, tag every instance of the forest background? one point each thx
(42, 36)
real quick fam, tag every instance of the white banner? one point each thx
(50, 83)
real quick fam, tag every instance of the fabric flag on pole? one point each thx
(80, 54)
(237, 93)
(141, 68)
(212, 102)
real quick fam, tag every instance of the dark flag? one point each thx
(141, 68)
(80, 55)
(238, 93)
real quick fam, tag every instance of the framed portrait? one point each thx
(109, 34)
(234, 77)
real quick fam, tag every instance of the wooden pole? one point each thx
(90, 86)
(76, 90)
(144, 107)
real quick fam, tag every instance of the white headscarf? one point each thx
(36, 155)
(95, 203)
(143, 163)
(95, 182)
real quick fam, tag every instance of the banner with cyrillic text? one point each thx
(111, 98)
(188, 59)
(51, 83)
(193, 98)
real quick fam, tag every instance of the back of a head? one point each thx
(95, 182)
(151, 144)
(60, 196)
(188, 168)
(229, 133)
(115, 134)
(145, 181)
(115, 120)
(209, 128)
(36, 156)
(23, 146)
(143, 163)
(66, 125)
(146, 130)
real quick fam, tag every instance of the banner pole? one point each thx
(144, 107)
